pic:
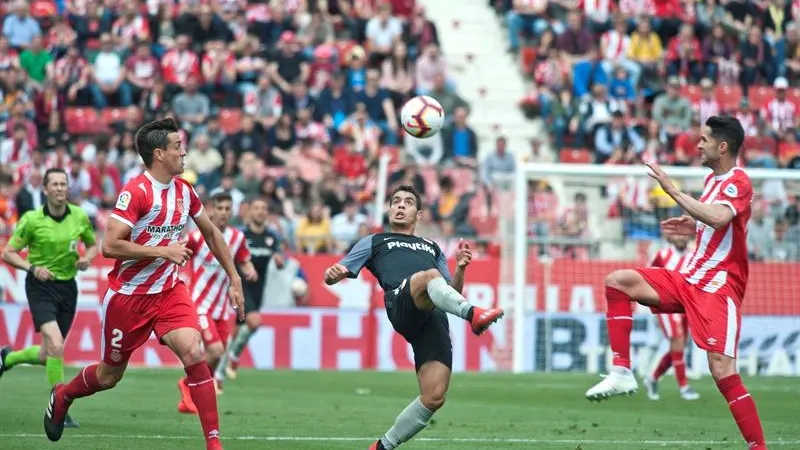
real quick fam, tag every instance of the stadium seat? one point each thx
(431, 178)
(528, 59)
(794, 96)
(111, 115)
(575, 156)
(230, 120)
(82, 121)
(729, 97)
(486, 227)
(463, 179)
(691, 92)
(760, 96)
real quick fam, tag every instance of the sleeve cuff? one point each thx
(199, 211)
(122, 219)
(728, 204)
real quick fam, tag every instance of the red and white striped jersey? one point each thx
(670, 258)
(719, 262)
(209, 285)
(616, 45)
(780, 114)
(157, 214)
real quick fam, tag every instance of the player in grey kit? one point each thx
(418, 291)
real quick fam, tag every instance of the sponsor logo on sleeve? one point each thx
(731, 191)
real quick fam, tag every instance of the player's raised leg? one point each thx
(741, 404)
(623, 287)
(429, 289)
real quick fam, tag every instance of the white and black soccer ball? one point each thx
(422, 116)
(299, 288)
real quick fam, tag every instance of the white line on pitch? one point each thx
(370, 439)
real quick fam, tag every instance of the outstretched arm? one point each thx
(351, 265)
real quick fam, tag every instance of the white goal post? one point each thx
(563, 178)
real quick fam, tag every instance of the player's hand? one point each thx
(82, 264)
(679, 226)
(280, 262)
(237, 296)
(250, 273)
(177, 252)
(41, 273)
(335, 274)
(658, 174)
(464, 254)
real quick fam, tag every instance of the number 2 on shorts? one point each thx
(116, 336)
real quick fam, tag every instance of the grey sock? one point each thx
(235, 349)
(410, 422)
(447, 299)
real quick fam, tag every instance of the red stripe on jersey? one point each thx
(157, 214)
(209, 287)
(719, 262)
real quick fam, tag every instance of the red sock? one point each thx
(619, 315)
(201, 386)
(744, 410)
(663, 366)
(84, 384)
(680, 367)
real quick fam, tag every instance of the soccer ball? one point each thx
(299, 288)
(422, 116)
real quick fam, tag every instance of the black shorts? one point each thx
(52, 300)
(428, 332)
(253, 297)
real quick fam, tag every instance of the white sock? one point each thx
(411, 421)
(447, 299)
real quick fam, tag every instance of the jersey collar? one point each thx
(57, 219)
(155, 182)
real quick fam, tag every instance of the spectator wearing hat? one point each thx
(780, 111)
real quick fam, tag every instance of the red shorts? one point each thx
(673, 325)
(128, 320)
(713, 319)
(214, 330)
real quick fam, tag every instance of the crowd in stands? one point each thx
(296, 101)
(293, 100)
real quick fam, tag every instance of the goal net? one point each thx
(564, 227)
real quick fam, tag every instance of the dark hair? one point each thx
(410, 189)
(727, 129)
(154, 135)
(446, 182)
(223, 196)
(51, 171)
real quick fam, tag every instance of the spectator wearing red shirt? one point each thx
(60, 37)
(179, 64)
(130, 27)
(106, 180)
(350, 163)
(686, 146)
(780, 111)
(9, 59)
(684, 56)
(142, 70)
(18, 116)
(219, 71)
(667, 18)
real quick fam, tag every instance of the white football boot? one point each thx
(687, 393)
(619, 382)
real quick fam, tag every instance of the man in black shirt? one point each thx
(264, 246)
(414, 276)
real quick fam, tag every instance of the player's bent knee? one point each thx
(622, 280)
(253, 321)
(434, 399)
(721, 366)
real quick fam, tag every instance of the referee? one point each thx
(51, 234)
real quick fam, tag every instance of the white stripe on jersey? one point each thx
(209, 281)
(170, 273)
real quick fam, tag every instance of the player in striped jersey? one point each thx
(209, 288)
(674, 325)
(145, 295)
(709, 289)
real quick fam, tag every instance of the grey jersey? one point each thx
(394, 257)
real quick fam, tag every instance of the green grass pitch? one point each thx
(347, 410)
